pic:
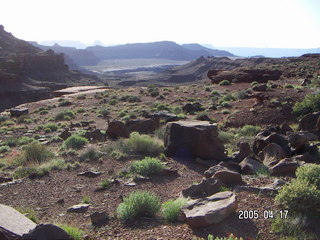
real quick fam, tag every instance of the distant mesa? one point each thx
(91, 56)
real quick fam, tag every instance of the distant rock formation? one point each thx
(28, 73)
(74, 57)
(163, 49)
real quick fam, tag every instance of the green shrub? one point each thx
(228, 97)
(288, 86)
(140, 144)
(105, 183)
(226, 137)
(224, 83)
(160, 132)
(113, 102)
(240, 95)
(81, 96)
(65, 115)
(74, 233)
(24, 140)
(309, 173)
(300, 197)
(91, 154)
(225, 104)
(248, 130)
(64, 103)
(3, 119)
(138, 204)
(80, 110)
(225, 111)
(170, 209)
(52, 126)
(147, 166)
(130, 98)
(104, 113)
(4, 149)
(75, 142)
(47, 130)
(86, 200)
(254, 83)
(24, 119)
(311, 103)
(43, 112)
(154, 93)
(41, 170)
(36, 153)
(166, 107)
(117, 154)
(290, 229)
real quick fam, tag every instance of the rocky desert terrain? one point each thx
(233, 156)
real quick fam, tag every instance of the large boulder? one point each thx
(228, 177)
(204, 189)
(260, 87)
(192, 107)
(142, 125)
(271, 153)
(13, 224)
(117, 129)
(95, 135)
(47, 232)
(193, 138)
(17, 112)
(210, 210)
(287, 166)
(265, 137)
(244, 151)
(309, 122)
(65, 134)
(165, 115)
(297, 141)
(212, 170)
(284, 128)
(251, 166)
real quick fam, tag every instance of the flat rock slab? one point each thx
(13, 223)
(80, 208)
(210, 210)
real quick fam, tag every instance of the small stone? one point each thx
(91, 174)
(47, 231)
(99, 218)
(79, 208)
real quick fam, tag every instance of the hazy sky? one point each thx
(248, 23)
